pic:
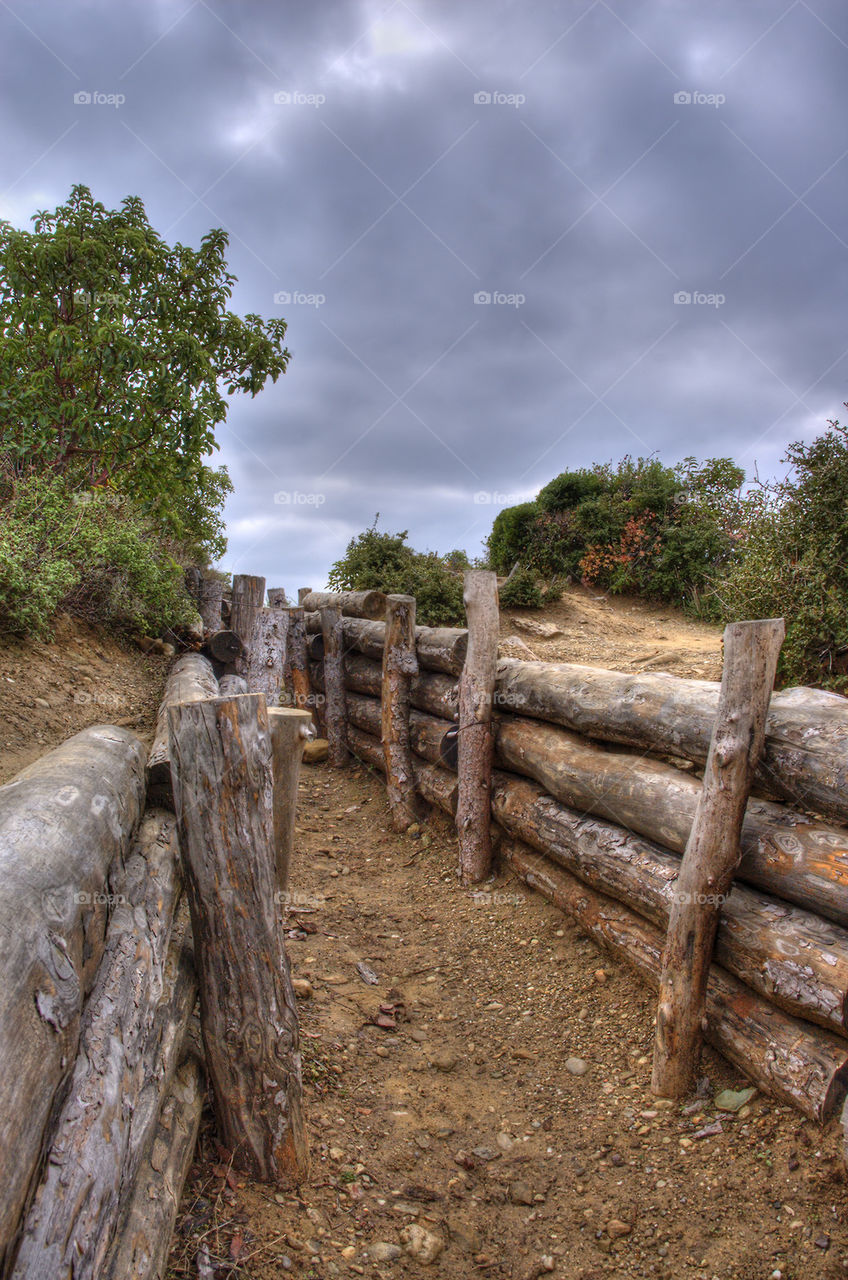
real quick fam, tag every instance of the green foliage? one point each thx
(521, 591)
(91, 552)
(386, 562)
(639, 527)
(792, 561)
(114, 348)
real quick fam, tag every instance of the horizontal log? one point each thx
(793, 1061)
(130, 1041)
(793, 958)
(437, 648)
(806, 753)
(430, 691)
(63, 822)
(231, 685)
(436, 785)
(784, 852)
(426, 732)
(225, 646)
(143, 1240)
(353, 604)
(190, 679)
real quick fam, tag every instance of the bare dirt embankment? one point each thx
(507, 1113)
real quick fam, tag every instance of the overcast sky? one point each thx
(478, 220)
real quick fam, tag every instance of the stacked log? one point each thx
(437, 648)
(190, 679)
(353, 604)
(63, 822)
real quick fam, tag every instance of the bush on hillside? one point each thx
(376, 561)
(521, 591)
(88, 551)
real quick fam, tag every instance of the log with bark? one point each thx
(805, 760)
(429, 691)
(247, 599)
(437, 648)
(751, 651)
(335, 713)
(230, 686)
(225, 647)
(277, 598)
(791, 957)
(210, 594)
(436, 785)
(63, 821)
(784, 852)
(793, 1061)
(296, 669)
(266, 654)
(190, 679)
(426, 733)
(131, 1037)
(143, 1239)
(476, 741)
(290, 730)
(399, 666)
(221, 753)
(353, 604)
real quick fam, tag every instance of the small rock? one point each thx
(821, 1241)
(466, 1236)
(485, 1153)
(520, 1193)
(600, 976)
(576, 1066)
(383, 1251)
(525, 1055)
(302, 988)
(422, 1245)
(443, 1062)
(616, 1228)
(616, 1159)
(413, 829)
(418, 1036)
(505, 1142)
(42, 702)
(316, 751)
(733, 1100)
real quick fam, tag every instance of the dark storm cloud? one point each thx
(376, 197)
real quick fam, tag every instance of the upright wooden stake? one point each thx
(221, 758)
(301, 592)
(334, 707)
(400, 664)
(210, 594)
(277, 598)
(266, 654)
(289, 731)
(248, 599)
(712, 852)
(476, 736)
(297, 666)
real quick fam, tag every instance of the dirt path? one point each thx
(468, 1121)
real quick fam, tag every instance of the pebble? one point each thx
(422, 1245)
(418, 1036)
(316, 751)
(42, 702)
(576, 1066)
(600, 975)
(443, 1062)
(616, 1228)
(466, 1236)
(520, 1193)
(302, 988)
(383, 1251)
(505, 1142)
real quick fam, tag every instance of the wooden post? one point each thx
(277, 598)
(248, 599)
(290, 729)
(210, 595)
(399, 666)
(229, 686)
(476, 735)
(266, 654)
(221, 758)
(334, 706)
(712, 852)
(302, 592)
(297, 666)
(225, 647)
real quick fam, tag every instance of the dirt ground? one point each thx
(507, 1114)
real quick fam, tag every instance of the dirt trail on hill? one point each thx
(507, 1114)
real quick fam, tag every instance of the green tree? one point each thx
(116, 352)
(377, 561)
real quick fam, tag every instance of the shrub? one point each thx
(521, 591)
(385, 562)
(87, 551)
(511, 535)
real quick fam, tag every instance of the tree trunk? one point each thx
(130, 1040)
(266, 654)
(63, 822)
(225, 647)
(399, 666)
(426, 733)
(796, 1063)
(221, 752)
(277, 598)
(248, 599)
(783, 852)
(476, 741)
(231, 686)
(429, 691)
(437, 648)
(751, 650)
(302, 593)
(143, 1242)
(805, 760)
(437, 786)
(353, 604)
(190, 678)
(210, 595)
(335, 714)
(792, 958)
(290, 729)
(297, 664)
